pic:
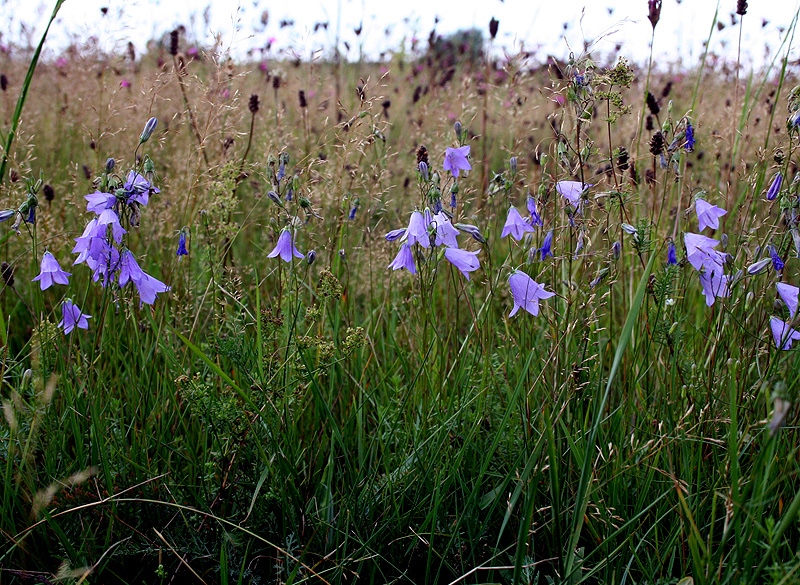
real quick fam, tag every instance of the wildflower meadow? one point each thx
(448, 316)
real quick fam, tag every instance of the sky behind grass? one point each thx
(547, 27)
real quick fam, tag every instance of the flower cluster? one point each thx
(101, 245)
(431, 230)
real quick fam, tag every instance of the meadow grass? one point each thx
(335, 421)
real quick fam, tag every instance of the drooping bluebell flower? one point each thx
(672, 257)
(775, 187)
(72, 317)
(783, 333)
(147, 286)
(536, 219)
(445, 232)
(789, 295)
(777, 263)
(464, 260)
(51, 272)
(453, 201)
(455, 160)
(515, 225)
(572, 191)
(545, 249)
(285, 247)
(708, 215)
(404, 259)
(689, 144)
(31, 215)
(98, 201)
(182, 251)
(110, 218)
(281, 170)
(715, 285)
(526, 293)
(616, 250)
(417, 231)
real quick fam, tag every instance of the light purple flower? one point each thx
(783, 334)
(72, 317)
(51, 272)
(708, 215)
(527, 293)
(515, 225)
(455, 160)
(98, 201)
(404, 259)
(110, 217)
(445, 232)
(700, 252)
(715, 285)
(138, 188)
(572, 191)
(536, 219)
(285, 247)
(464, 260)
(147, 286)
(417, 232)
(789, 295)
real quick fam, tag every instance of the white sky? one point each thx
(680, 34)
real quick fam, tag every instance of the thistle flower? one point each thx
(789, 295)
(777, 263)
(464, 260)
(72, 317)
(708, 215)
(51, 272)
(526, 293)
(417, 231)
(783, 333)
(775, 187)
(515, 225)
(572, 191)
(285, 247)
(182, 251)
(404, 259)
(455, 160)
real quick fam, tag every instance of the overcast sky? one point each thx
(387, 26)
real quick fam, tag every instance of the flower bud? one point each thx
(459, 130)
(275, 199)
(748, 300)
(775, 187)
(423, 170)
(311, 256)
(148, 130)
(512, 163)
(617, 250)
(305, 203)
(395, 234)
(6, 214)
(629, 229)
(110, 163)
(343, 255)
